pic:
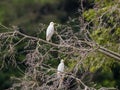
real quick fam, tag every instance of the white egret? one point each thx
(60, 68)
(50, 31)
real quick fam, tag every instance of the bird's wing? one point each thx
(49, 33)
(60, 67)
(48, 37)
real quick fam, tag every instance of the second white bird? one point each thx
(60, 69)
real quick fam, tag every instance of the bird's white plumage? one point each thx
(60, 69)
(61, 66)
(50, 31)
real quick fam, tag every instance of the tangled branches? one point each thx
(42, 58)
(40, 70)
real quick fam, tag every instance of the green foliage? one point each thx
(117, 31)
(90, 14)
(105, 20)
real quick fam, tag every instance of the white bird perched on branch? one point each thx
(60, 69)
(50, 31)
